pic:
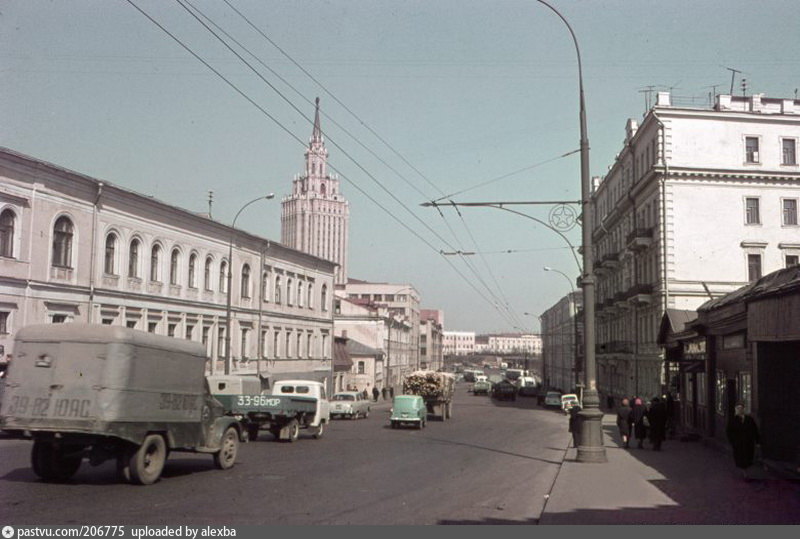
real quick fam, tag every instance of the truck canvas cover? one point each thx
(105, 380)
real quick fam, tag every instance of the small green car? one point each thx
(408, 409)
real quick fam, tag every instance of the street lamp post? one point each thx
(228, 359)
(591, 447)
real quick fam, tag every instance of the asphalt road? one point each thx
(492, 463)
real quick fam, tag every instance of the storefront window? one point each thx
(745, 390)
(701, 389)
(686, 393)
(719, 397)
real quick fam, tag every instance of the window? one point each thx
(288, 343)
(324, 298)
(792, 260)
(265, 286)
(753, 267)
(243, 343)
(204, 336)
(131, 324)
(221, 342)
(310, 295)
(173, 266)
(207, 274)
(246, 281)
(133, 258)
(299, 344)
(789, 151)
(275, 344)
(59, 319)
(7, 219)
(289, 292)
(189, 332)
(361, 367)
(744, 391)
(790, 211)
(192, 271)
(299, 293)
(277, 289)
(171, 329)
(752, 216)
(308, 346)
(151, 326)
(155, 262)
(3, 323)
(111, 251)
(223, 277)
(62, 243)
(751, 149)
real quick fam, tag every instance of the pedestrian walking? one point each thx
(375, 393)
(657, 417)
(624, 422)
(385, 392)
(742, 433)
(638, 418)
(574, 429)
(365, 394)
(391, 392)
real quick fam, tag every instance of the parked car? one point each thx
(482, 386)
(504, 390)
(552, 398)
(408, 409)
(349, 404)
(568, 401)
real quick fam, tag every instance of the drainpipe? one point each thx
(663, 194)
(95, 211)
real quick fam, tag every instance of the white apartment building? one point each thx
(698, 202)
(459, 343)
(76, 249)
(514, 343)
(431, 339)
(315, 218)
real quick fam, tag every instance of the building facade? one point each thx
(431, 339)
(561, 337)
(511, 343)
(459, 343)
(76, 249)
(315, 217)
(697, 203)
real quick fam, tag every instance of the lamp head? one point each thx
(547, 268)
(269, 196)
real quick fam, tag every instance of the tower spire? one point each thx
(317, 135)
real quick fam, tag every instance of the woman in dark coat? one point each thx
(657, 416)
(638, 413)
(742, 434)
(624, 422)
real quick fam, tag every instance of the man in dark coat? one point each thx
(657, 416)
(375, 393)
(624, 422)
(743, 436)
(638, 412)
(574, 426)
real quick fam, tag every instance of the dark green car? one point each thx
(408, 409)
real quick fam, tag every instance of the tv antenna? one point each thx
(648, 96)
(733, 76)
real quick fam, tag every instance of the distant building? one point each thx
(315, 217)
(431, 339)
(699, 202)
(561, 365)
(77, 249)
(459, 343)
(510, 343)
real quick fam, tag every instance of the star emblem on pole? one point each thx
(563, 217)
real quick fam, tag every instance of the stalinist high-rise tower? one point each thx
(315, 217)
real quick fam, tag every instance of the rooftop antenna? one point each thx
(210, 202)
(733, 76)
(648, 95)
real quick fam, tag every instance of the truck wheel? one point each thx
(320, 430)
(225, 458)
(147, 462)
(55, 463)
(294, 430)
(252, 432)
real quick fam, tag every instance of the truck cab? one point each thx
(310, 389)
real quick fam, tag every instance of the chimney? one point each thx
(662, 99)
(630, 129)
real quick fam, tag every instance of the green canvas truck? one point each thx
(108, 392)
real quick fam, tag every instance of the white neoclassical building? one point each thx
(458, 343)
(698, 202)
(315, 217)
(74, 248)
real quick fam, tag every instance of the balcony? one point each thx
(641, 294)
(621, 300)
(609, 261)
(639, 239)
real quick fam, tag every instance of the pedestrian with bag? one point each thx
(743, 436)
(624, 422)
(639, 420)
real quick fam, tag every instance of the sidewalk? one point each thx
(684, 483)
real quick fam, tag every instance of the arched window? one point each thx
(223, 277)
(111, 253)
(265, 286)
(299, 344)
(173, 266)
(246, 281)
(299, 293)
(7, 219)
(308, 346)
(277, 289)
(289, 292)
(193, 270)
(310, 295)
(62, 242)
(133, 258)
(324, 299)
(155, 262)
(207, 274)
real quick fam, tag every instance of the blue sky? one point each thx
(463, 91)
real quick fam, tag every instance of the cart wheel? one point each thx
(55, 463)
(225, 458)
(147, 462)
